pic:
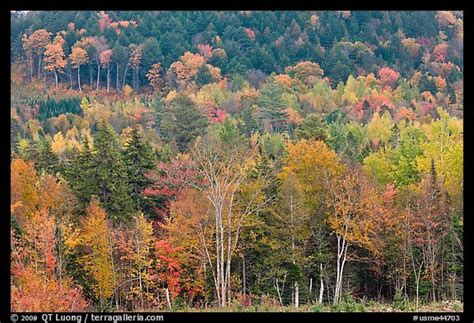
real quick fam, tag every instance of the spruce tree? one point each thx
(138, 158)
(182, 122)
(39, 151)
(46, 160)
(272, 107)
(80, 174)
(110, 174)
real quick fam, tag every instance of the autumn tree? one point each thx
(38, 264)
(294, 216)
(135, 60)
(36, 271)
(388, 76)
(189, 227)
(54, 57)
(95, 241)
(105, 60)
(444, 145)
(167, 181)
(24, 195)
(189, 67)
(78, 57)
(223, 172)
(169, 269)
(308, 167)
(353, 205)
(27, 47)
(154, 78)
(135, 247)
(306, 72)
(37, 42)
(379, 129)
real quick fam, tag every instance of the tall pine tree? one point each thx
(80, 174)
(182, 122)
(110, 174)
(138, 158)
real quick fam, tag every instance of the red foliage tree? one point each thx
(168, 181)
(440, 52)
(169, 266)
(388, 76)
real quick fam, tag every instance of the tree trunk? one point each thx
(278, 291)
(79, 77)
(417, 275)
(31, 68)
(56, 78)
(243, 273)
(168, 300)
(342, 246)
(90, 75)
(137, 83)
(229, 249)
(223, 282)
(297, 295)
(117, 79)
(98, 76)
(218, 260)
(39, 67)
(108, 79)
(321, 282)
(293, 247)
(113, 266)
(125, 75)
(140, 274)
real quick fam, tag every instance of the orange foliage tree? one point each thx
(54, 59)
(78, 57)
(154, 77)
(37, 42)
(354, 207)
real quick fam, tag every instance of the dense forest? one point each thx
(251, 160)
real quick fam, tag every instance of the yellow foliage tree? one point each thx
(59, 144)
(445, 147)
(97, 259)
(313, 163)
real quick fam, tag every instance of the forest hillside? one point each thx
(237, 161)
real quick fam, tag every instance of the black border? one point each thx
(8, 5)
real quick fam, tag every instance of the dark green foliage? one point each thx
(103, 173)
(40, 152)
(271, 107)
(51, 108)
(110, 174)
(138, 158)
(204, 76)
(182, 122)
(427, 84)
(80, 174)
(281, 38)
(313, 127)
(46, 160)
(15, 135)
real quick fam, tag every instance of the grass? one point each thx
(347, 305)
